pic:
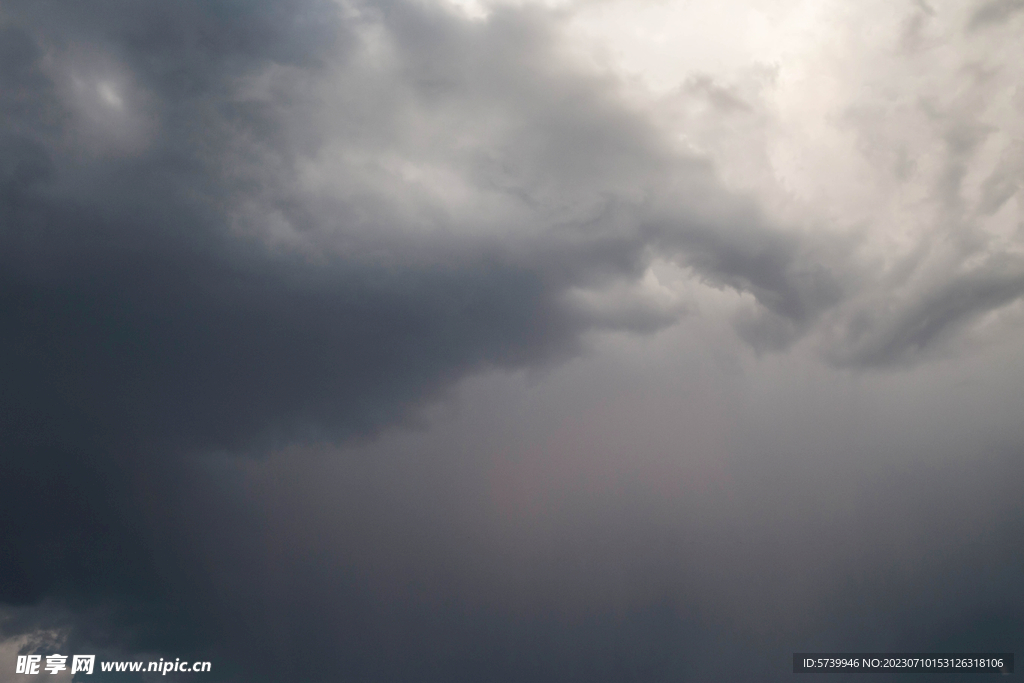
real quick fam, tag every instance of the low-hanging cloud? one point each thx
(228, 228)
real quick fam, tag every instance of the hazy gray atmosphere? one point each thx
(526, 340)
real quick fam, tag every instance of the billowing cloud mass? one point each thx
(450, 340)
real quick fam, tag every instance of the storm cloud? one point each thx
(248, 252)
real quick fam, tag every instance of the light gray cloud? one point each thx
(994, 13)
(924, 321)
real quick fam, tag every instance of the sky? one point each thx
(510, 340)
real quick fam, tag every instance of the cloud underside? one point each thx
(227, 227)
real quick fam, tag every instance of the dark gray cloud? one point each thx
(144, 311)
(138, 326)
(227, 228)
(141, 323)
